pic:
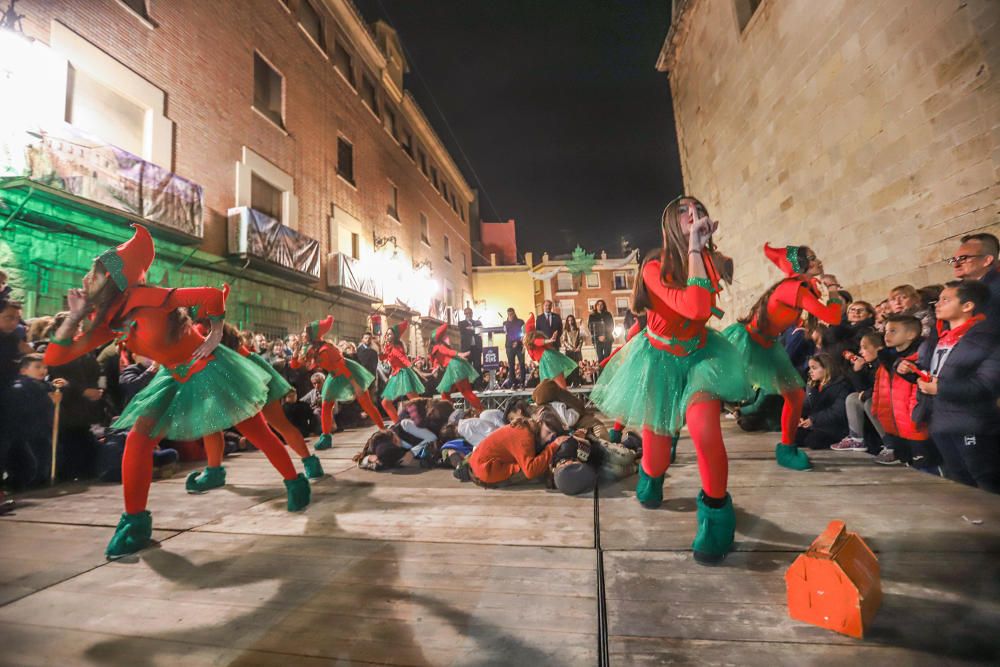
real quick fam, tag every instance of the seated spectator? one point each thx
(13, 341)
(136, 376)
(550, 393)
(521, 450)
(963, 360)
(859, 402)
(29, 408)
(824, 420)
(313, 399)
(882, 310)
(894, 398)
(799, 345)
(978, 258)
(905, 300)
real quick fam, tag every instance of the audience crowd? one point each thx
(913, 380)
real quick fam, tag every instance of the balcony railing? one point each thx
(271, 246)
(86, 167)
(344, 273)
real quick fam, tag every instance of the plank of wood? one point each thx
(668, 595)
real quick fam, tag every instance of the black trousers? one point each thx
(971, 458)
(603, 349)
(516, 353)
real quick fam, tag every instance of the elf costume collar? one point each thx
(786, 259)
(950, 337)
(128, 263)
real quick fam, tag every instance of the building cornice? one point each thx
(350, 21)
(679, 25)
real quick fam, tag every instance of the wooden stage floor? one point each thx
(414, 568)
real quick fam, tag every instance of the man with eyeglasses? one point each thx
(976, 259)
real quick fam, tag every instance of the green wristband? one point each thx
(700, 282)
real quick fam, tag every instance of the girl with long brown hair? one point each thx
(679, 371)
(201, 388)
(404, 381)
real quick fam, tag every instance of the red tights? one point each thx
(363, 399)
(137, 462)
(790, 414)
(706, 432)
(215, 443)
(465, 388)
(390, 407)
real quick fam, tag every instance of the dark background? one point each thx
(558, 106)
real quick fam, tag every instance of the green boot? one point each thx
(649, 490)
(298, 493)
(313, 468)
(133, 533)
(790, 457)
(325, 442)
(716, 530)
(210, 478)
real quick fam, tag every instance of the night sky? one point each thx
(557, 104)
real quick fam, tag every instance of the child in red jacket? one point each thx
(893, 398)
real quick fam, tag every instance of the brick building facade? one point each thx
(611, 279)
(293, 107)
(869, 129)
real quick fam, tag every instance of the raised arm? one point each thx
(207, 302)
(830, 313)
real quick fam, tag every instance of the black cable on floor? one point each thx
(603, 653)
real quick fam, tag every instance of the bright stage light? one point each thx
(619, 331)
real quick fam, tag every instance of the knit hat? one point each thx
(574, 478)
(319, 328)
(127, 264)
(786, 259)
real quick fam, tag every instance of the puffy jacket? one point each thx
(968, 383)
(893, 398)
(826, 407)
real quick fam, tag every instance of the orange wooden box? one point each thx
(836, 584)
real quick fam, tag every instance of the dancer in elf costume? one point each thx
(552, 364)
(403, 381)
(678, 370)
(458, 373)
(347, 380)
(202, 388)
(214, 475)
(755, 336)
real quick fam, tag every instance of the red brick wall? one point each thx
(201, 54)
(500, 238)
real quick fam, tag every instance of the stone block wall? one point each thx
(868, 129)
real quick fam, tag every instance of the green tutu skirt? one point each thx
(768, 368)
(458, 369)
(403, 382)
(228, 390)
(278, 387)
(338, 387)
(553, 363)
(644, 386)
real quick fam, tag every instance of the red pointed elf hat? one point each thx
(786, 259)
(529, 325)
(128, 263)
(399, 329)
(440, 332)
(319, 328)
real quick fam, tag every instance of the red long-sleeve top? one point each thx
(441, 355)
(508, 450)
(785, 306)
(676, 321)
(141, 315)
(396, 356)
(328, 357)
(536, 348)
